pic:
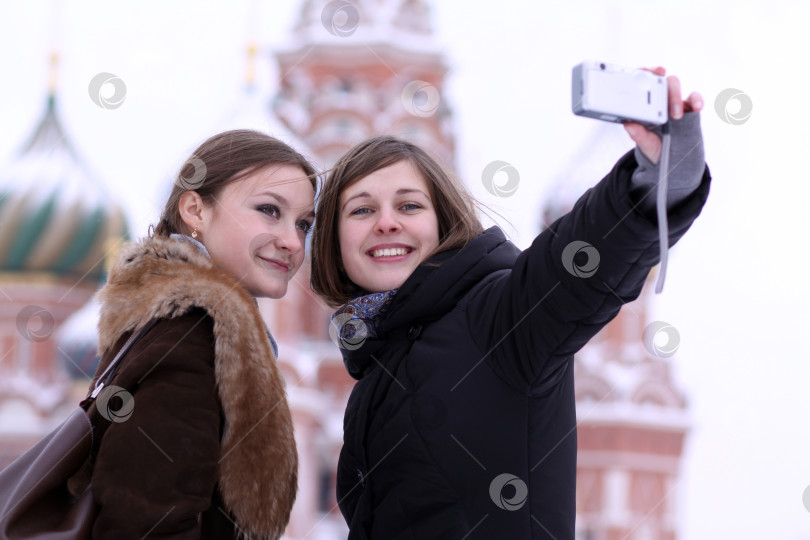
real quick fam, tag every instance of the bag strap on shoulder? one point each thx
(112, 369)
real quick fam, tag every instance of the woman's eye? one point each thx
(304, 226)
(411, 206)
(361, 210)
(270, 210)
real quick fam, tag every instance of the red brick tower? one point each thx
(359, 68)
(351, 70)
(632, 426)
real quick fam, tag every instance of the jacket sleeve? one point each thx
(573, 280)
(155, 472)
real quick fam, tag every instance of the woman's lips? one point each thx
(276, 264)
(389, 252)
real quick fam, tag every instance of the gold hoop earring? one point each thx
(194, 233)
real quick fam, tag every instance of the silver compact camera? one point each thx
(617, 94)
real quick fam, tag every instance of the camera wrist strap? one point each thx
(661, 207)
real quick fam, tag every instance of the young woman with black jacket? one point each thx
(462, 421)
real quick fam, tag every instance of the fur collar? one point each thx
(164, 278)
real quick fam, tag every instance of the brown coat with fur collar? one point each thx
(208, 451)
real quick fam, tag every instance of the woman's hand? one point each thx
(648, 141)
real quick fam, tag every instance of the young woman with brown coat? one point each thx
(197, 440)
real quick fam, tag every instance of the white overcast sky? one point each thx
(736, 288)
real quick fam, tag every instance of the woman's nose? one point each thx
(387, 222)
(290, 240)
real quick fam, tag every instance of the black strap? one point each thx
(112, 369)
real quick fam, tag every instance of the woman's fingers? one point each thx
(648, 142)
(694, 103)
(674, 96)
(660, 71)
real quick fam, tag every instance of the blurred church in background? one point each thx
(349, 70)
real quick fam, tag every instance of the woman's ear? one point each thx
(192, 210)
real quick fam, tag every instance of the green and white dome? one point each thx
(55, 217)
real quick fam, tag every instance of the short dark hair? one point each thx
(222, 159)
(455, 209)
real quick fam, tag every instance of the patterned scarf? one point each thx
(358, 318)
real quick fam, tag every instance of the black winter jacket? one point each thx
(462, 423)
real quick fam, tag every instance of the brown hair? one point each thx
(221, 160)
(455, 209)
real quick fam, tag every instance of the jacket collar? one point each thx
(431, 291)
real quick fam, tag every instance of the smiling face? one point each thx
(256, 227)
(387, 226)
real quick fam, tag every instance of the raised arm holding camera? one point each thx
(462, 423)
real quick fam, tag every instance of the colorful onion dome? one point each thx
(55, 216)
